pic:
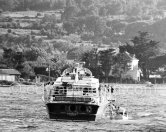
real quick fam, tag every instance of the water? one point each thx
(23, 110)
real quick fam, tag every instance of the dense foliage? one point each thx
(104, 7)
(48, 39)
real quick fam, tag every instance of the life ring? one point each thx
(82, 109)
(72, 108)
(89, 109)
(66, 108)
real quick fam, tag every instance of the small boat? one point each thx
(115, 112)
(76, 95)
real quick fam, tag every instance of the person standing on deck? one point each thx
(112, 90)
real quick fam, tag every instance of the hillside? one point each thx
(123, 18)
(56, 31)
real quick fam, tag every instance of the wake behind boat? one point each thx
(76, 95)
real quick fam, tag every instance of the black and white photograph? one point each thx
(82, 65)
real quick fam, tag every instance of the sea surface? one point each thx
(22, 110)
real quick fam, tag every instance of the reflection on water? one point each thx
(25, 111)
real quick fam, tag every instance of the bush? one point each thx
(8, 19)
(9, 30)
(26, 17)
(74, 38)
(69, 27)
(146, 17)
(35, 25)
(87, 36)
(38, 14)
(40, 40)
(1, 10)
(106, 40)
(33, 33)
(14, 25)
(142, 82)
(27, 83)
(43, 32)
(133, 19)
(5, 82)
(9, 25)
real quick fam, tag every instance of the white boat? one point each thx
(76, 95)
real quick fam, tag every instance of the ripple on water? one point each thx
(26, 113)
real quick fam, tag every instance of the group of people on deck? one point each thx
(108, 88)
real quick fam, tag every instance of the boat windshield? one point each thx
(82, 71)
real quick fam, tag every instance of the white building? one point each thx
(9, 74)
(134, 72)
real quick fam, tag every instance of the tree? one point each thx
(77, 52)
(62, 46)
(31, 54)
(134, 11)
(8, 57)
(7, 4)
(87, 3)
(161, 3)
(103, 11)
(13, 59)
(1, 10)
(91, 60)
(69, 27)
(70, 11)
(27, 71)
(107, 61)
(156, 62)
(114, 8)
(144, 49)
(59, 4)
(122, 63)
(95, 24)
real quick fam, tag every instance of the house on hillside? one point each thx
(134, 72)
(158, 76)
(9, 74)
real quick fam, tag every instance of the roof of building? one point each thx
(129, 56)
(9, 72)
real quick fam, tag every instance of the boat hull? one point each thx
(72, 111)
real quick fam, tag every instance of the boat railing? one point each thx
(71, 98)
(79, 92)
(66, 94)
